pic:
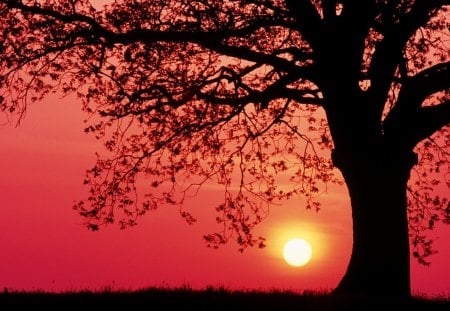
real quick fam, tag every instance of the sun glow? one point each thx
(297, 252)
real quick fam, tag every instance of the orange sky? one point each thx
(44, 246)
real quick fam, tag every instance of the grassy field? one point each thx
(210, 299)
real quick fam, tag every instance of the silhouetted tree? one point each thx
(243, 93)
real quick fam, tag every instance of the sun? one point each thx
(297, 252)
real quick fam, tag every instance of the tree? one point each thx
(242, 92)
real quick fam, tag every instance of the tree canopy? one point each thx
(236, 92)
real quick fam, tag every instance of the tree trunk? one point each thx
(380, 263)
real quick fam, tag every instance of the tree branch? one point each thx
(358, 10)
(430, 119)
(406, 133)
(329, 11)
(352, 29)
(75, 17)
(260, 96)
(308, 20)
(274, 91)
(408, 121)
(388, 52)
(212, 40)
(427, 82)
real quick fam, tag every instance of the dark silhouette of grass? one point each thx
(210, 299)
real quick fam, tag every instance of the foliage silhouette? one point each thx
(242, 93)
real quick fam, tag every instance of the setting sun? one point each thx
(297, 252)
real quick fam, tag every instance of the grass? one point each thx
(210, 299)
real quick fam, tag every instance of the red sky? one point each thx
(44, 246)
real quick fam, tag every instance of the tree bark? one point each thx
(380, 262)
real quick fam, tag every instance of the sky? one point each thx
(44, 246)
